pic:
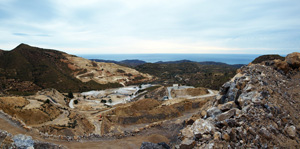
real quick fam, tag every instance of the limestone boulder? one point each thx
(201, 126)
(291, 131)
(213, 112)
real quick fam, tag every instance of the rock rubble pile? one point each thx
(258, 108)
(20, 141)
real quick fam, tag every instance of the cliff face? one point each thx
(259, 107)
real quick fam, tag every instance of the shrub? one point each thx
(120, 71)
(70, 95)
(47, 101)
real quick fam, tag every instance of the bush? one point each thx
(70, 95)
(76, 101)
(110, 101)
(120, 71)
(103, 101)
(47, 101)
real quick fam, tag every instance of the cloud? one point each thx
(153, 26)
(20, 34)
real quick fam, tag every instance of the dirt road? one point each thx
(129, 142)
(164, 133)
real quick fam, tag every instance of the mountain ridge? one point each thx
(48, 68)
(137, 62)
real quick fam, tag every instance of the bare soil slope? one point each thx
(27, 69)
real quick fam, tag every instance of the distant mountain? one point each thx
(207, 74)
(202, 63)
(135, 62)
(173, 62)
(129, 63)
(28, 68)
(189, 73)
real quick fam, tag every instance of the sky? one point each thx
(152, 26)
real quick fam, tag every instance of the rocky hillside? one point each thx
(103, 73)
(28, 69)
(258, 108)
(8, 140)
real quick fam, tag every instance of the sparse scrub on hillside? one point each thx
(190, 73)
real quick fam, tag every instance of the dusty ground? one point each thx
(166, 131)
(133, 123)
(103, 73)
(188, 92)
(129, 142)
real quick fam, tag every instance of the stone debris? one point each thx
(150, 145)
(291, 131)
(258, 108)
(21, 141)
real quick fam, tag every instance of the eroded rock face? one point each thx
(258, 108)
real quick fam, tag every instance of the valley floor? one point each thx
(162, 133)
(79, 126)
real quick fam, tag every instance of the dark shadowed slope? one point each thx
(27, 69)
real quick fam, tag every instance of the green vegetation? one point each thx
(70, 95)
(72, 124)
(47, 101)
(120, 71)
(76, 102)
(21, 93)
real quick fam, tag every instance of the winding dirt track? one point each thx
(132, 142)
(128, 142)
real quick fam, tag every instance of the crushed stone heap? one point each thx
(259, 107)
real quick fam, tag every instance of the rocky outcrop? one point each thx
(258, 108)
(267, 58)
(53, 94)
(21, 141)
(293, 59)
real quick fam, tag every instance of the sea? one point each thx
(152, 58)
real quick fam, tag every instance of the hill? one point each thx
(28, 69)
(128, 63)
(210, 75)
(207, 74)
(267, 57)
(258, 108)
